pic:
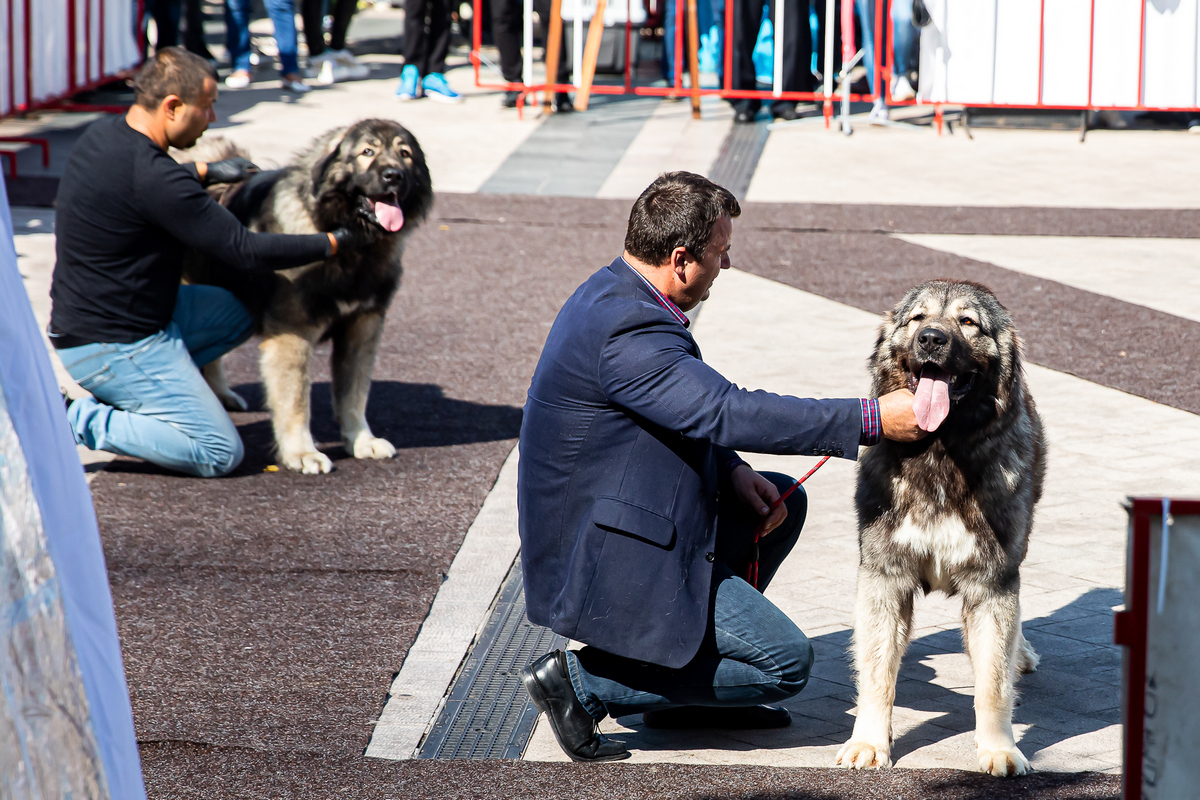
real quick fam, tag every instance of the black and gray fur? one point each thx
(951, 512)
(332, 184)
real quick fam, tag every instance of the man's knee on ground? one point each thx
(795, 669)
(220, 457)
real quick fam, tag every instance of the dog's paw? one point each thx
(859, 754)
(373, 447)
(312, 463)
(232, 401)
(1027, 657)
(1003, 762)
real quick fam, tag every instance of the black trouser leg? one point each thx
(564, 50)
(506, 31)
(166, 21)
(416, 43)
(193, 36)
(426, 34)
(796, 42)
(439, 36)
(312, 12)
(343, 12)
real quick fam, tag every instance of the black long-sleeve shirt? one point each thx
(126, 212)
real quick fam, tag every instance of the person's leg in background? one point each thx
(336, 63)
(149, 398)
(312, 14)
(166, 21)
(747, 17)
(237, 42)
(437, 37)
(507, 16)
(562, 100)
(415, 49)
(283, 19)
(905, 46)
(797, 55)
(193, 35)
(865, 9)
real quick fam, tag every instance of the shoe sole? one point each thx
(441, 98)
(541, 704)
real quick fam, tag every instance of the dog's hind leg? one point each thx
(882, 626)
(214, 375)
(354, 346)
(284, 364)
(1027, 657)
(991, 626)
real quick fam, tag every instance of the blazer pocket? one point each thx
(612, 514)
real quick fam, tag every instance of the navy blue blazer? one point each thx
(626, 439)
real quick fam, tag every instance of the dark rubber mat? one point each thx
(738, 158)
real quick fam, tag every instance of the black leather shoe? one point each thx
(785, 111)
(549, 686)
(744, 718)
(510, 99)
(745, 117)
(563, 104)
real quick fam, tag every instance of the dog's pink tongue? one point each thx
(389, 216)
(931, 402)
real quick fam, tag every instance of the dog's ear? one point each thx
(322, 164)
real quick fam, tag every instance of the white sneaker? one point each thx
(879, 114)
(238, 79)
(902, 89)
(357, 70)
(296, 85)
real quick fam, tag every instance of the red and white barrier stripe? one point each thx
(56, 48)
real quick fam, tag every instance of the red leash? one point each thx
(752, 572)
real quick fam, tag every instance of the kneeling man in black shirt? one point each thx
(123, 326)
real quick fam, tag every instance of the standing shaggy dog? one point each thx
(370, 174)
(952, 512)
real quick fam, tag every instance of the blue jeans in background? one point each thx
(904, 42)
(752, 652)
(237, 33)
(150, 400)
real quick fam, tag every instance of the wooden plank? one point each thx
(591, 52)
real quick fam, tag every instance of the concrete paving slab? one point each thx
(915, 166)
(1076, 565)
(1163, 274)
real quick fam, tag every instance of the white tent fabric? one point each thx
(987, 51)
(66, 728)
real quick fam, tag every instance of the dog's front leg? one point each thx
(284, 365)
(354, 348)
(992, 626)
(214, 375)
(882, 626)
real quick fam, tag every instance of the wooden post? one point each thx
(694, 55)
(591, 52)
(553, 46)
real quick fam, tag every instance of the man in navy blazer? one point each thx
(637, 516)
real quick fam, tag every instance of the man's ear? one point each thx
(171, 105)
(679, 261)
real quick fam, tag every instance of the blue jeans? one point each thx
(149, 399)
(752, 652)
(237, 33)
(904, 41)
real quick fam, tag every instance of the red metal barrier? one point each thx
(677, 89)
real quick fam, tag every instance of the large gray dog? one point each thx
(370, 174)
(952, 512)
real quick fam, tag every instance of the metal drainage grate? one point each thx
(739, 157)
(488, 714)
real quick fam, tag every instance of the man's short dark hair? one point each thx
(678, 210)
(172, 71)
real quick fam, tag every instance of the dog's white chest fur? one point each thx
(943, 540)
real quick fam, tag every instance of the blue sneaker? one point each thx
(410, 83)
(437, 89)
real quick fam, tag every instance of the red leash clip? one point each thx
(752, 572)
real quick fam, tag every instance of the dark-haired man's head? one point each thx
(178, 88)
(683, 222)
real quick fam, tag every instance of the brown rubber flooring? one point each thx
(263, 615)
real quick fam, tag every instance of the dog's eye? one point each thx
(406, 151)
(966, 322)
(368, 151)
(917, 318)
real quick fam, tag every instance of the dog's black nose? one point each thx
(393, 175)
(932, 339)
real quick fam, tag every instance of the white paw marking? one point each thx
(858, 754)
(312, 463)
(373, 447)
(1027, 657)
(1003, 762)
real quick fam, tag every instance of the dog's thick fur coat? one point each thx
(343, 178)
(952, 512)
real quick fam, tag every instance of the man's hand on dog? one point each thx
(898, 418)
(354, 237)
(231, 170)
(758, 493)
